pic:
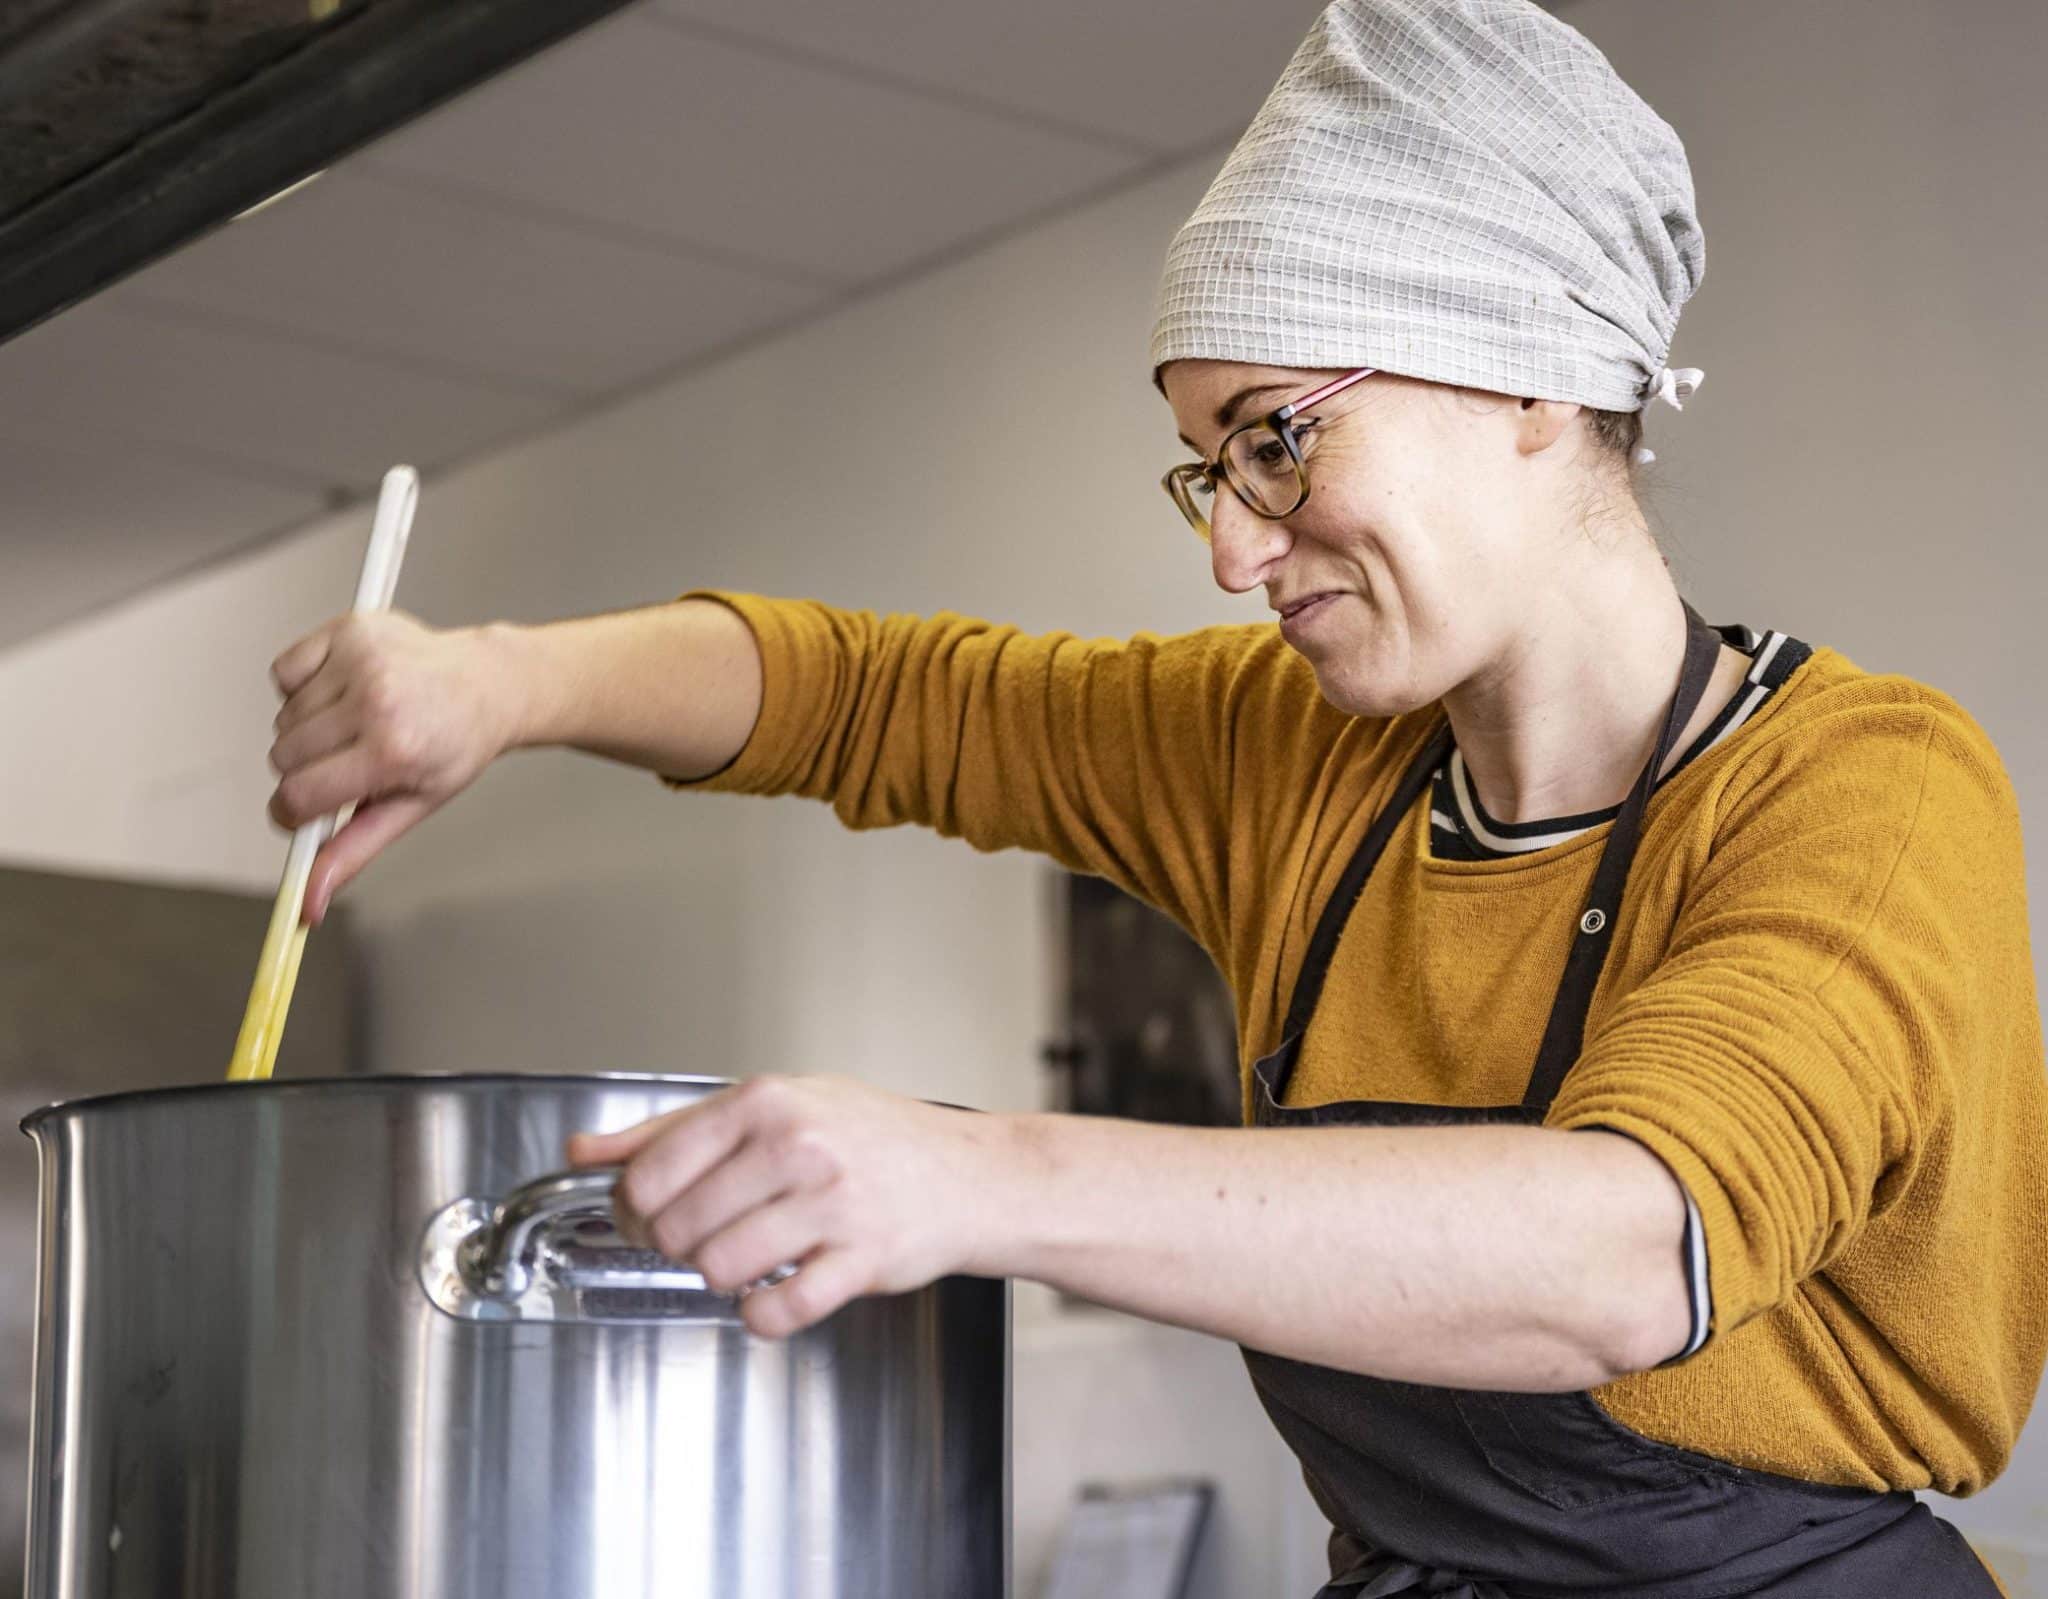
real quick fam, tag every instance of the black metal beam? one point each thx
(367, 73)
(46, 44)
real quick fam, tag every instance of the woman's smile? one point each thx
(1301, 618)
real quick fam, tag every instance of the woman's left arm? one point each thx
(1843, 1029)
(1487, 1257)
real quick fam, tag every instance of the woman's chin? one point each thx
(1357, 693)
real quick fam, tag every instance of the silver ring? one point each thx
(1593, 920)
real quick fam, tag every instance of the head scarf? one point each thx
(1462, 191)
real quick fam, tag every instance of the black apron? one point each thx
(1477, 1495)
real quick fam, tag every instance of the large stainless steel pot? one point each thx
(333, 1341)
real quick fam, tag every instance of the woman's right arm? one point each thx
(1164, 764)
(674, 689)
(398, 718)
(1118, 758)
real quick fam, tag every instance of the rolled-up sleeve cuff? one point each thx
(1701, 1240)
(762, 765)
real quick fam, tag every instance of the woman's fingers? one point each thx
(763, 1240)
(692, 1171)
(294, 668)
(870, 1192)
(689, 1144)
(616, 1148)
(326, 687)
(384, 713)
(754, 1176)
(321, 733)
(343, 857)
(347, 777)
(825, 1281)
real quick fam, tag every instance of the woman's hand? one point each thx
(865, 1192)
(388, 715)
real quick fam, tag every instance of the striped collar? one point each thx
(1460, 828)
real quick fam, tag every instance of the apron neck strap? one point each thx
(1565, 1032)
(1702, 648)
(1322, 946)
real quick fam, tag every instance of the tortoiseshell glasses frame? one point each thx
(1262, 461)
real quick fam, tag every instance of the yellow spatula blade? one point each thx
(270, 996)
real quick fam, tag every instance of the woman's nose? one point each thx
(1242, 545)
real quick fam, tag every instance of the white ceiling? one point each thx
(687, 175)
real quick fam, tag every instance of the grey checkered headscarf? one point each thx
(1457, 190)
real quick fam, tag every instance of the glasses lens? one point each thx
(1194, 494)
(1262, 469)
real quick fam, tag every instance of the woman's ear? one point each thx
(1541, 423)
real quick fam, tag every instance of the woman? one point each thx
(1688, 1306)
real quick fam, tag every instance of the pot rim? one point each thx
(295, 1086)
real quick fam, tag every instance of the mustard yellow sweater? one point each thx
(1818, 1008)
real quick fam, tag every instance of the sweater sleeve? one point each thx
(1848, 981)
(1112, 757)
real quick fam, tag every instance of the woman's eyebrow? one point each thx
(1226, 413)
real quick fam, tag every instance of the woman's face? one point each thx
(1433, 515)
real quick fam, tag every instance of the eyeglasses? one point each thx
(1264, 462)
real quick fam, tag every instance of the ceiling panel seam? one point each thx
(142, 303)
(339, 495)
(185, 572)
(251, 470)
(654, 240)
(877, 77)
(585, 407)
(854, 295)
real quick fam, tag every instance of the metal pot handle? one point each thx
(498, 1258)
(548, 1251)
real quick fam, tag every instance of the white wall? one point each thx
(1858, 469)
